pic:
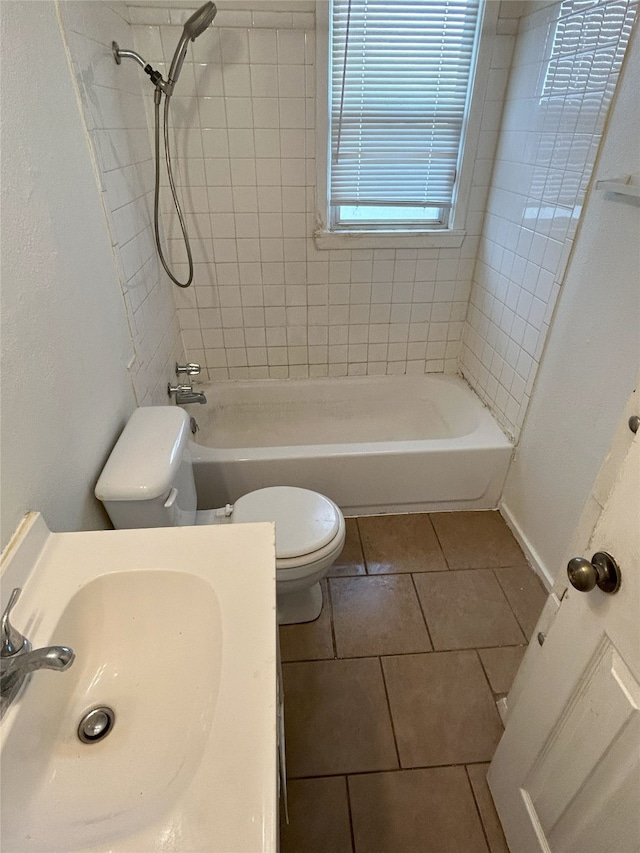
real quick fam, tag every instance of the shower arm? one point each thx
(157, 79)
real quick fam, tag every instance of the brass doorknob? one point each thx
(602, 571)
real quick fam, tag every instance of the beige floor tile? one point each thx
(467, 609)
(415, 811)
(501, 666)
(491, 821)
(377, 616)
(525, 593)
(336, 718)
(400, 543)
(443, 710)
(351, 560)
(476, 540)
(309, 640)
(318, 817)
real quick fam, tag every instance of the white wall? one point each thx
(565, 66)
(266, 301)
(65, 343)
(593, 352)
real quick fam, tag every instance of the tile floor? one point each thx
(390, 695)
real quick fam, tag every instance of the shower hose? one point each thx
(156, 199)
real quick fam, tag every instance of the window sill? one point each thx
(389, 239)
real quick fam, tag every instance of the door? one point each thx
(566, 775)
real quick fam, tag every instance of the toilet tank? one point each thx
(148, 479)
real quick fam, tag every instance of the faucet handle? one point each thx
(191, 369)
(178, 389)
(11, 640)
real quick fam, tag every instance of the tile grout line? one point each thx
(424, 618)
(506, 598)
(409, 654)
(393, 728)
(349, 773)
(477, 805)
(364, 556)
(353, 835)
(442, 551)
(333, 631)
(488, 683)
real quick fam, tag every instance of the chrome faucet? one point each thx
(191, 369)
(185, 394)
(17, 659)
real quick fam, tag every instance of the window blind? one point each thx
(400, 76)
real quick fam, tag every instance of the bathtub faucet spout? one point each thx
(185, 394)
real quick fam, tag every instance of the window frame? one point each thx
(454, 233)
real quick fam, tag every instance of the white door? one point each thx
(566, 775)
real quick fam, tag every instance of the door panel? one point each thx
(566, 774)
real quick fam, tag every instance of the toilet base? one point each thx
(304, 605)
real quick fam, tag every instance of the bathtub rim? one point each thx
(486, 435)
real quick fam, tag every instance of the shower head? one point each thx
(194, 26)
(200, 20)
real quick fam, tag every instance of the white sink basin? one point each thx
(185, 659)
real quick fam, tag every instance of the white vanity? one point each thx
(174, 631)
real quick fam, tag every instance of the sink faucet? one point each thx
(17, 659)
(185, 394)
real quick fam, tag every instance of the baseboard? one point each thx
(530, 552)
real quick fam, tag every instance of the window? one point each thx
(400, 75)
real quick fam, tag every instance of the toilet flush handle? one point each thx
(173, 494)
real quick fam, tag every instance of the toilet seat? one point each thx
(307, 523)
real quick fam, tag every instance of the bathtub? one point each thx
(371, 444)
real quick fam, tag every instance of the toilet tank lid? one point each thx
(145, 460)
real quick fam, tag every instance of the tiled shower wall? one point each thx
(112, 98)
(266, 302)
(565, 68)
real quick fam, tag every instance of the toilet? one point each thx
(148, 482)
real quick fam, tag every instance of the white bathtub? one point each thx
(372, 444)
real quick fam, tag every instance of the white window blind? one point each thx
(400, 78)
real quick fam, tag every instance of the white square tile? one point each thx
(276, 336)
(264, 81)
(239, 112)
(295, 276)
(293, 172)
(292, 112)
(291, 46)
(215, 142)
(273, 273)
(236, 81)
(401, 313)
(291, 81)
(271, 250)
(262, 46)
(268, 172)
(212, 112)
(245, 200)
(243, 171)
(292, 143)
(208, 79)
(266, 113)
(270, 199)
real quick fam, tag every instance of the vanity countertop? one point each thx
(176, 629)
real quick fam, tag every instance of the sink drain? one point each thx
(96, 724)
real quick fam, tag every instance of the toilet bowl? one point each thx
(148, 482)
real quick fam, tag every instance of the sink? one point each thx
(170, 651)
(148, 646)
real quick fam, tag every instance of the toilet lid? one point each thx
(305, 521)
